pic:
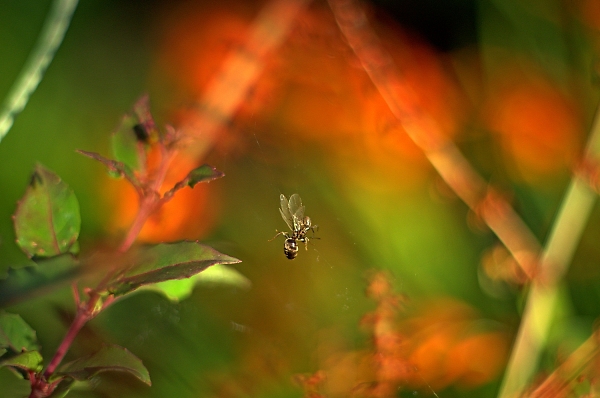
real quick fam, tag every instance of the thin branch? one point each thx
(32, 73)
(85, 312)
(445, 157)
(151, 201)
(558, 253)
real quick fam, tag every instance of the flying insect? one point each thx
(292, 212)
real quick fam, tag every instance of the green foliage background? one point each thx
(207, 345)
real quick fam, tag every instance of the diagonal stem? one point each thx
(556, 257)
(471, 188)
(442, 153)
(226, 91)
(32, 73)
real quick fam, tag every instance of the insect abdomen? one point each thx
(290, 248)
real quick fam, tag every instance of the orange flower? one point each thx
(188, 215)
(312, 90)
(450, 345)
(537, 124)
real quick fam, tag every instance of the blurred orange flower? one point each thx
(187, 215)
(313, 89)
(441, 343)
(449, 344)
(537, 124)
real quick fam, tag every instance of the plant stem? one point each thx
(471, 188)
(32, 73)
(150, 202)
(442, 153)
(144, 211)
(558, 253)
(84, 314)
(228, 89)
(87, 310)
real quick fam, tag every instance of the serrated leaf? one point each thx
(27, 361)
(168, 261)
(47, 219)
(109, 358)
(117, 169)
(218, 274)
(16, 334)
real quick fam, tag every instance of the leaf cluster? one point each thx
(47, 225)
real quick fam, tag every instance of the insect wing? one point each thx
(285, 212)
(295, 205)
(288, 221)
(296, 210)
(298, 218)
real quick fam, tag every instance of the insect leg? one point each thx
(279, 233)
(305, 243)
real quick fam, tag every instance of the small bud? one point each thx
(140, 132)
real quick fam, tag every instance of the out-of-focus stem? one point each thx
(32, 73)
(541, 301)
(583, 359)
(144, 211)
(239, 71)
(471, 188)
(445, 157)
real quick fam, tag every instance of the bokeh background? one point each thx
(513, 83)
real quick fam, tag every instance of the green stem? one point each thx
(556, 257)
(32, 73)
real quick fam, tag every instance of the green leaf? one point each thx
(133, 133)
(63, 388)
(41, 275)
(47, 219)
(168, 261)
(219, 274)
(27, 361)
(3, 351)
(109, 358)
(124, 143)
(118, 168)
(11, 386)
(16, 334)
(204, 173)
